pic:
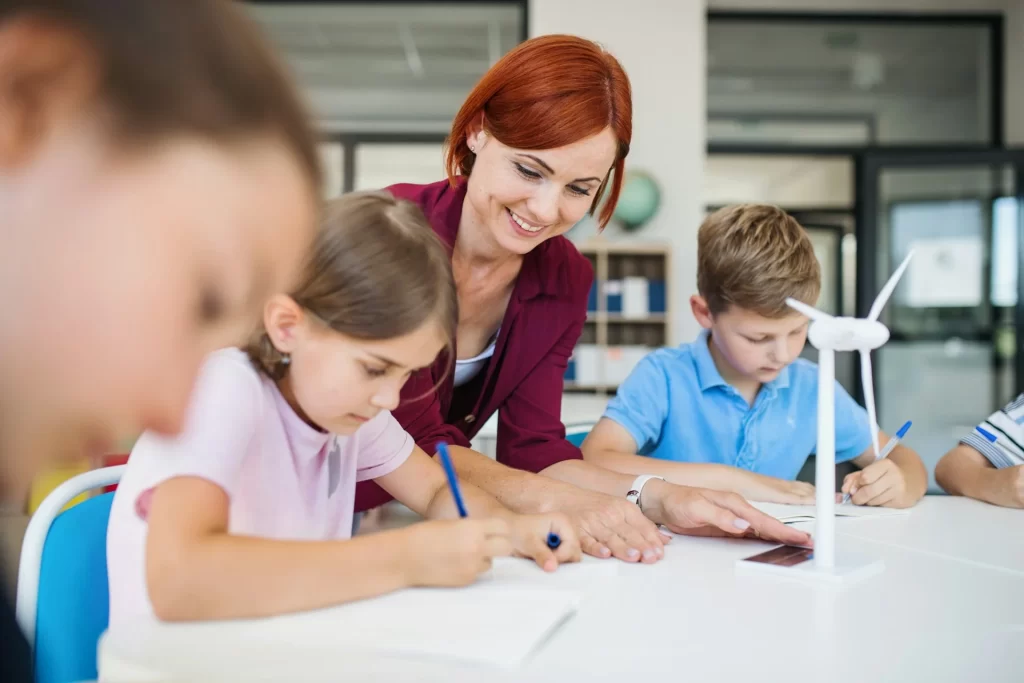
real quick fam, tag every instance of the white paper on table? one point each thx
(498, 621)
(791, 514)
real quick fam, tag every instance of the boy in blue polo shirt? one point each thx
(736, 409)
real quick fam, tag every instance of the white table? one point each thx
(948, 607)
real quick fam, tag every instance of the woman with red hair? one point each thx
(540, 142)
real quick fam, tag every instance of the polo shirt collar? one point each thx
(707, 373)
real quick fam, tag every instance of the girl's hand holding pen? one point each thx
(452, 552)
(531, 538)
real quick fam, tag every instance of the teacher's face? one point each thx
(523, 197)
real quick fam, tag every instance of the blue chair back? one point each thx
(576, 433)
(73, 607)
(576, 439)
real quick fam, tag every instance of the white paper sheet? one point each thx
(791, 514)
(497, 622)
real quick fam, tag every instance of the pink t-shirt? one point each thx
(285, 479)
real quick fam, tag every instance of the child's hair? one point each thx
(167, 68)
(376, 271)
(754, 256)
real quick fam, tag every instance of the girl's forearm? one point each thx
(221, 576)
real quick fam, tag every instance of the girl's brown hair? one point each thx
(167, 68)
(377, 271)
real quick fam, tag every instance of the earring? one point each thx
(286, 359)
(472, 148)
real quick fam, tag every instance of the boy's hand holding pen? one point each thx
(873, 475)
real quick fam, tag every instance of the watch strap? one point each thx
(637, 488)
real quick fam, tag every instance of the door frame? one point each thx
(868, 166)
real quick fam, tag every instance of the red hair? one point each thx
(549, 92)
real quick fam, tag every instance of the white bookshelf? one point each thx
(629, 313)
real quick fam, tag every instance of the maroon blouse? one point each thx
(524, 378)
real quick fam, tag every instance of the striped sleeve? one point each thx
(1000, 438)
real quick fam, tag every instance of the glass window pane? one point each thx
(947, 216)
(948, 329)
(380, 165)
(390, 66)
(1005, 257)
(829, 82)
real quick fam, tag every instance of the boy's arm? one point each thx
(966, 472)
(988, 464)
(611, 445)
(898, 481)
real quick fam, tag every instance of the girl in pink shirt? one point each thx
(247, 512)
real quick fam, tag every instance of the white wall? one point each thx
(661, 45)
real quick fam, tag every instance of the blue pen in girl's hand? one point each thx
(453, 483)
(553, 540)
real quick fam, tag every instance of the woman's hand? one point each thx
(703, 512)
(608, 526)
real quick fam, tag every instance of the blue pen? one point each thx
(453, 483)
(553, 539)
(889, 447)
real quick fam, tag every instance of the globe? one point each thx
(638, 201)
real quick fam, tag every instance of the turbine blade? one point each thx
(883, 296)
(810, 311)
(867, 381)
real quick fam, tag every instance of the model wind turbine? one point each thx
(829, 334)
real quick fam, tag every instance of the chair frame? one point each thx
(35, 539)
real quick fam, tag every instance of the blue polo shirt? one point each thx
(676, 406)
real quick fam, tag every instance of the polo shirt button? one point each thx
(470, 419)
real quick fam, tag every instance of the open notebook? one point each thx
(791, 514)
(496, 622)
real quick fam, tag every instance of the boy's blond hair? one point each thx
(754, 256)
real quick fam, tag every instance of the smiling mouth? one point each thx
(528, 227)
